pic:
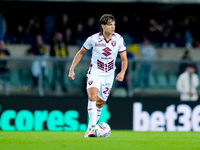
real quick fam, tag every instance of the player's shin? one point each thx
(92, 112)
(98, 113)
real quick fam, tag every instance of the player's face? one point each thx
(191, 70)
(109, 27)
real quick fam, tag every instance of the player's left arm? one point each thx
(120, 76)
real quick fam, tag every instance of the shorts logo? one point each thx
(113, 43)
(90, 82)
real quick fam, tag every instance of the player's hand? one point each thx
(71, 75)
(120, 76)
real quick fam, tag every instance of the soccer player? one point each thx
(105, 45)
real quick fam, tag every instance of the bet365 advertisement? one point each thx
(24, 113)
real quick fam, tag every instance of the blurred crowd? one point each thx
(57, 32)
(162, 32)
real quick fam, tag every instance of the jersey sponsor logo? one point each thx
(113, 43)
(100, 45)
(106, 51)
(90, 82)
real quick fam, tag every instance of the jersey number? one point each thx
(107, 90)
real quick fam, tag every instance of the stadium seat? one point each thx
(119, 92)
(162, 82)
(152, 82)
(172, 80)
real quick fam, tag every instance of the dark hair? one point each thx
(191, 65)
(186, 52)
(106, 18)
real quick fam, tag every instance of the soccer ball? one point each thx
(102, 130)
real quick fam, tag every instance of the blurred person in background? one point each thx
(169, 34)
(3, 27)
(186, 31)
(4, 66)
(63, 26)
(80, 35)
(49, 23)
(138, 31)
(147, 53)
(33, 29)
(19, 35)
(154, 32)
(185, 59)
(187, 84)
(38, 48)
(3, 53)
(58, 50)
(126, 28)
(90, 27)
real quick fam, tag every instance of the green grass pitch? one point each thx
(118, 140)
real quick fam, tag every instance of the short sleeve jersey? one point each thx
(104, 53)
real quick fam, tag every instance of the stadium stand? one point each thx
(169, 48)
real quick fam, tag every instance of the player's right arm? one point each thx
(76, 60)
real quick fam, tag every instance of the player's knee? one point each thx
(93, 98)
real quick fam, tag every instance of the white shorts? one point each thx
(102, 83)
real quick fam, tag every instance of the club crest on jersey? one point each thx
(113, 43)
(90, 82)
